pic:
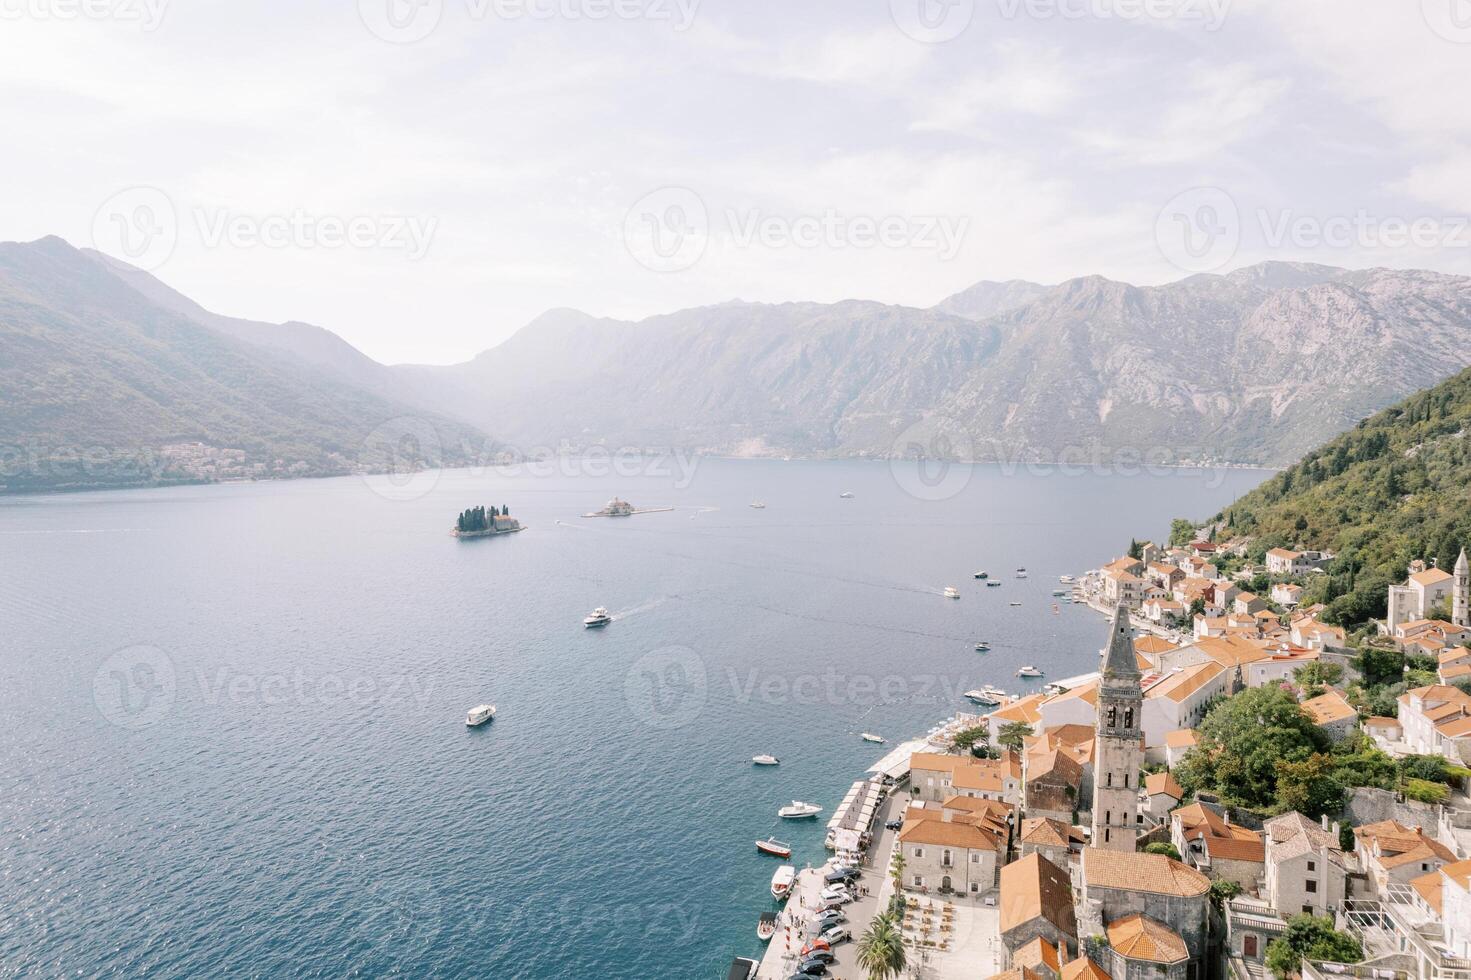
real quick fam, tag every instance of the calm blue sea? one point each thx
(232, 717)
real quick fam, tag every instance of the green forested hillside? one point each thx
(1394, 488)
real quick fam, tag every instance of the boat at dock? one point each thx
(597, 618)
(871, 737)
(1060, 593)
(1066, 579)
(742, 968)
(983, 697)
(781, 881)
(765, 760)
(994, 691)
(799, 810)
(766, 926)
(774, 847)
(1030, 671)
(951, 592)
(480, 715)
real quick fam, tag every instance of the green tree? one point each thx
(1013, 734)
(969, 738)
(1222, 891)
(1182, 532)
(1243, 739)
(1311, 938)
(1160, 847)
(881, 950)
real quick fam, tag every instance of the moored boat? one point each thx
(871, 737)
(781, 881)
(983, 697)
(758, 505)
(983, 575)
(479, 715)
(983, 646)
(766, 926)
(846, 495)
(774, 847)
(993, 584)
(1030, 671)
(799, 810)
(765, 760)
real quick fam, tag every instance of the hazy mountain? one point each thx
(102, 385)
(988, 299)
(1256, 366)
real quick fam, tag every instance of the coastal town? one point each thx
(1241, 790)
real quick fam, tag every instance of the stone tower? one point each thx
(1118, 752)
(1461, 599)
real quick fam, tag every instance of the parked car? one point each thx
(836, 893)
(816, 945)
(842, 874)
(826, 955)
(837, 934)
(812, 968)
(831, 917)
(895, 824)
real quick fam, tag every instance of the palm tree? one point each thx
(881, 950)
(896, 869)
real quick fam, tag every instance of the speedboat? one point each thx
(1021, 573)
(757, 505)
(781, 881)
(871, 737)
(846, 495)
(993, 691)
(480, 715)
(983, 575)
(993, 584)
(1066, 579)
(982, 697)
(983, 646)
(799, 810)
(774, 847)
(766, 926)
(1014, 602)
(765, 760)
(951, 592)
(598, 617)
(1030, 671)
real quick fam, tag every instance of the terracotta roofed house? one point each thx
(1218, 848)
(1037, 900)
(1331, 712)
(1117, 884)
(1392, 853)
(1305, 867)
(1140, 946)
(1083, 968)
(1039, 956)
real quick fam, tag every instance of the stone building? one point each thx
(1116, 885)
(1305, 867)
(1118, 755)
(1037, 901)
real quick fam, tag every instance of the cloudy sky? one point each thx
(426, 176)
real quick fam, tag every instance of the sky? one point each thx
(425, 177)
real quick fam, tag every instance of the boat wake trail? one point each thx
(641, 608)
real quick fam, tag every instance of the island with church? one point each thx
(477, 522)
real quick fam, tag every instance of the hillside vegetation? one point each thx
(1394, 488)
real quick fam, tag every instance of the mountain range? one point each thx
(1256, 367)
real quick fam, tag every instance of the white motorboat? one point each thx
(1021, 573)
(1066, 579)
(871, 737)
(758, 505)
(765, 760)
(598, 617)
(983, 646)
(982, 697)
(766, 926)
(1030, 671)
(951, 592)
(846, 495)
(994, 691)
(781, 881)
(983, 575)
(480, 715)
(799, 810)
(1014, 602)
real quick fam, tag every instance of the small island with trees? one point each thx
(477, 522)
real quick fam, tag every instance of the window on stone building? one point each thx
(1312, 887)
